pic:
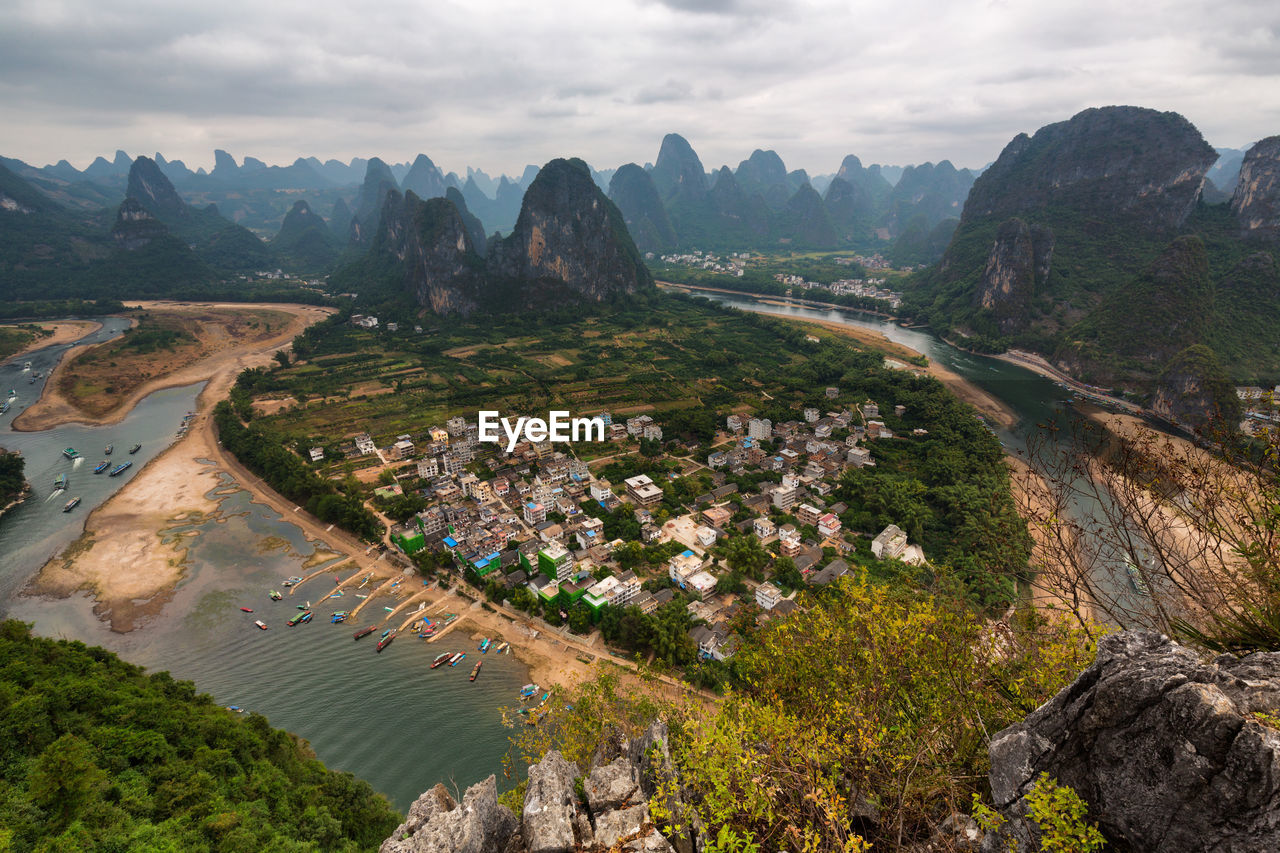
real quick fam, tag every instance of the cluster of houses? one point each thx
(524, 526)
(871, 288)
(1259, 406)
(731, 264)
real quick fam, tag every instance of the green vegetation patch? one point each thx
(96, 755)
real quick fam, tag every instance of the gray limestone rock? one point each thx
(437, 824)
(550, 806)
(1165, 749)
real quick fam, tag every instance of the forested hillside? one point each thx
(95, 754)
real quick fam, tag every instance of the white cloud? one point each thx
(497, 84)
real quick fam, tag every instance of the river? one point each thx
(1034, 399)
(386, 717)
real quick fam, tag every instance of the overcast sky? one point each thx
(496, 84)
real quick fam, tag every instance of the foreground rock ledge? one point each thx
(615, 816)
(1166, 749)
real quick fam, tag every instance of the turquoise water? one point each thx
(386, 717)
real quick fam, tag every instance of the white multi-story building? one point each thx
(428, 467)
(642, 490)
(760, 428)
(890, 544)
(768, 596)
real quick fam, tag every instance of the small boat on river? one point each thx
(363, 632)
(71, 504)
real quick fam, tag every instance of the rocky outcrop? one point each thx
(678, 173)
(438, 824)
(764, 174)
(936, 192)
(569, 237)
(305, 238)
(1017, 267)
(1170, 753)
(428, 243)
(424, 178)
(633, 191)
(155, 192)
(806, 222)
(1256, 201)
(378, 183)
(1194, 391)
(475, 228)
(135, 227)
(570, 244)
(605, 809)
(1110, 162)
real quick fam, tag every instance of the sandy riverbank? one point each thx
(989, 405)
(128, 559)
(64, 331)
(1052, 588)
(54, 409)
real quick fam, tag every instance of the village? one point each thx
(545, 533)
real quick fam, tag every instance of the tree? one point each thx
(745, 554)
(1151, 531)
(580, 618)
(64, 777)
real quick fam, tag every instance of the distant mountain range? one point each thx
(569, 245)
(1101, 243)
(1112, 243)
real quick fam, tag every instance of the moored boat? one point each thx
(304, 616)
(363, 632)
(528, 691)
(135, 448)
(502, 648)
(453, 661)
(338, 617)
(484, 647)
(385, 641)
(120, 469)
(275, 595)
(441, 659)
(247, 609)
(260, 624)
(102, 467)
(71, 504)
(476, 671)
